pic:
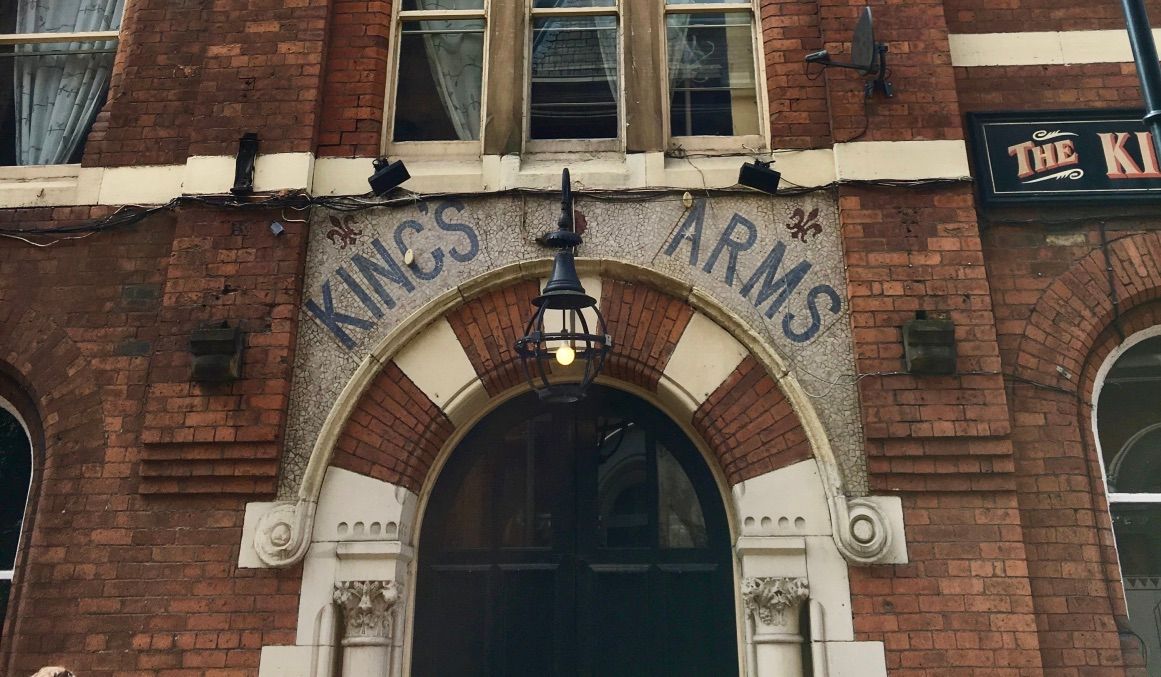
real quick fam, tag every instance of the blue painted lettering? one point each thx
(454, 227)
(332, 319)
(360, 293)
(388, 270)
(695, 220)
(783, 286)
(815, 319)
(735, 246)
(436, 255)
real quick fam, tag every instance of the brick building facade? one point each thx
(944, 525)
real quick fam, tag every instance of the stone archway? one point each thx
(417, 393)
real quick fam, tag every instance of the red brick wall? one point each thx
(395, 432)
(222, 267)
(924, 105)
(190, 80)
(1098, 85)
(645, 326)
(963, 606)
(749, 424)
(355, 85)
(112, 581)
(982, 16)
(1054, 308)
(799, 116)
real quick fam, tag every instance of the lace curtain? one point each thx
(59, 86)
(456, 60)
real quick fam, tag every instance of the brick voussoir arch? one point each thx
(754, 420)
(57, 396)
(1077, 308)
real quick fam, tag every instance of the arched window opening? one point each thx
(583, 539)
(1129, 429)
(15, 479)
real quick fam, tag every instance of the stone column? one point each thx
(368, 615)
(772, 606)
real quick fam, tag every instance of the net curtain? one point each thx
(57, 94)
(456, 63)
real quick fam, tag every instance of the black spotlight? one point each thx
(759, 176)
(387, 176)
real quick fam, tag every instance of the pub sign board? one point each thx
(1064, 156)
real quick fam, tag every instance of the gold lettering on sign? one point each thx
(1121, 164)
(1032, 159)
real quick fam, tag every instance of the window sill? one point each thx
(596, 171)
(41, 186)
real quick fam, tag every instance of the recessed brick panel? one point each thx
(750, 425)
(645, 325)
(395, 432)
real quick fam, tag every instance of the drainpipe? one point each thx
(1148, 69)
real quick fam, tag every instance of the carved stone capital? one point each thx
(280, 538)
(367, 607)
(769, 599)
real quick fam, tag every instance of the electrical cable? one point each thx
(129, 215)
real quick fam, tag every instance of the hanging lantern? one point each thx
(565, 343)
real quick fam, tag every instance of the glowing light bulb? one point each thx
(565, 355)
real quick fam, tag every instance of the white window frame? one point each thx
(752, 143)
(547, 148)
(433, 150)
(53, 38)
(6, 406)
(1120, 498)
(573, 145)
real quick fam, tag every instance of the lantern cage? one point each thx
(564, 345)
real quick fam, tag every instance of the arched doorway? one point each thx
(15, 482)
(1129, 431)
(585, 539)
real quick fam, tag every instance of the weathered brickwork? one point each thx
(981, 16)
(645, 325)
(750, 425)
(112, 581)
(1094, 85)
(395, 432)
(922, 252)
(919, 55)
(487, 327)
(799, 117)
(963, 606)
(191, 80)
(1054, 308)
(351, 121)
(221, 268)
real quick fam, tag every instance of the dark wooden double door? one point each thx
(586, 539)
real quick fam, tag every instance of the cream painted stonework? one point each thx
(770, 267)
(361, 547)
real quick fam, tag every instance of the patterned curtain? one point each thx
(456, 66)
(60, 85)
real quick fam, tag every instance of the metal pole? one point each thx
(1148, 69)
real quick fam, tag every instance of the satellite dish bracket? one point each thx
(873, 56)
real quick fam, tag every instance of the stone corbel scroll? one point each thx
(283, 533)
(865, 529)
